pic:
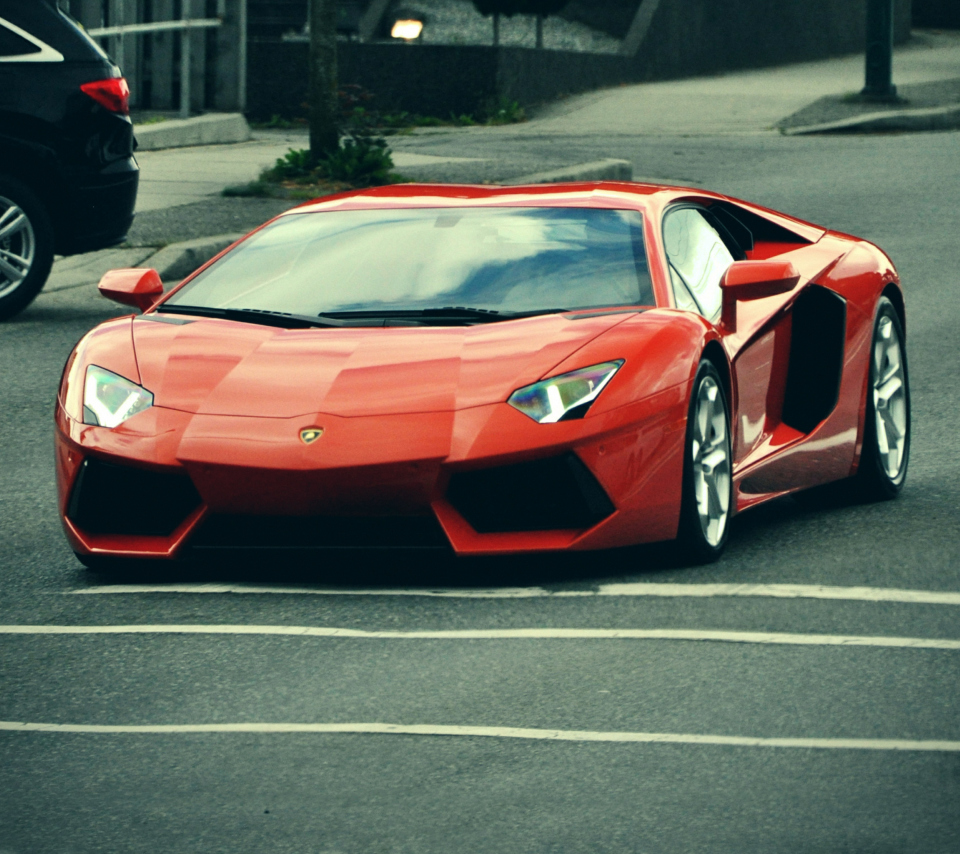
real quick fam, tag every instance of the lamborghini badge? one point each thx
(310, 435)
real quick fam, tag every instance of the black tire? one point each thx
(33, 239)
(878, 477)
(103, 564)
(699, 542)
(119, 569)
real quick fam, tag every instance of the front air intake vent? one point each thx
(557, 493)
(112, 499)
(224, 531)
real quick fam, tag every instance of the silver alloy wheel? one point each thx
(889, 397)
(18, 245)
(711, 461)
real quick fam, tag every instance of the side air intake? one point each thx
(816, 358)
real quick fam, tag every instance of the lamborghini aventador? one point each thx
(486, 370)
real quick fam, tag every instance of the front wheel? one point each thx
(707, 467)
(26, 246)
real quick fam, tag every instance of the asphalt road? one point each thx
(488, 788)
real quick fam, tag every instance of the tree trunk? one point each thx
(496, 29)
(539, 30)
(324, 133)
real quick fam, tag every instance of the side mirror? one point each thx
(747, 280)
(137, 286)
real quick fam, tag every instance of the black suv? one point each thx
(68, 178)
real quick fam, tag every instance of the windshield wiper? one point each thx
(373, 318)
(281, 319)
(450, 312)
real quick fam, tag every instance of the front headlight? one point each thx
(109, 399)
(566, 396)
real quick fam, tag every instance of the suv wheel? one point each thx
(26, 246)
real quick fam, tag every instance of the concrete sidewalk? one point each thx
(740, 102)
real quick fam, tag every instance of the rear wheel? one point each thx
(26, 246)
(707, 483)
(886, 431)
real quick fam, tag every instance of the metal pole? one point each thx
(242, 60)
(118, 18)
(879, 58)
(185, 63)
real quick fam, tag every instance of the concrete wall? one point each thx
(937, 13)
(668, 38)
(434, 80)
(684, 38)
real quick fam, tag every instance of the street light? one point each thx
(408, 29)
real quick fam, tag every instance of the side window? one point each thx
(13, 45)
(698, 258)
(17, 45)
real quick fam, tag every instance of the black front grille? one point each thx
(557, 493)
(319, 532)
(112, 499)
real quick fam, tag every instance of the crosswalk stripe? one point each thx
(491, 732)
(499, 634)
(637, 589)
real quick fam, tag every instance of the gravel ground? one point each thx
(458, 22)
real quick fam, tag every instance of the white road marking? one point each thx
(494, 732)
(774, 591)
(499, 634)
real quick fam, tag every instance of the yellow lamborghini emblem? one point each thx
(310, 435)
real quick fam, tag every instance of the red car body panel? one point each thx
(403, 410)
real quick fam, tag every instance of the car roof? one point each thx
(600, 194)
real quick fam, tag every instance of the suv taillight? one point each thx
(114, 94)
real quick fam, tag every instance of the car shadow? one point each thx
(394, 569)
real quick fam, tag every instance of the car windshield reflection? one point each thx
(505, 260)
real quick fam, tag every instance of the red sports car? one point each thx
(486, 370)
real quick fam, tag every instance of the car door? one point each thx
(699, 250)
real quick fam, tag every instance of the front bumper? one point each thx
(484, 480)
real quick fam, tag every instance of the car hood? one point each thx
(223, 367)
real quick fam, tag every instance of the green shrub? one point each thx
(503, 111)
(361, 161)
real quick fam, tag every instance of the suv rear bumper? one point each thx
(97, 212)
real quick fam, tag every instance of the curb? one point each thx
(209, 129)
(179, 260)
(925, 119)
(598, 170)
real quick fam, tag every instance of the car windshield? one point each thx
(504, 260)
